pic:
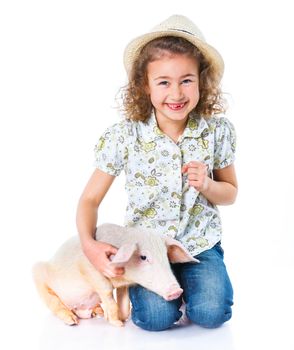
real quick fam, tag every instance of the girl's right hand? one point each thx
(99, 254)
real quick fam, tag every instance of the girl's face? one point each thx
(173, 86)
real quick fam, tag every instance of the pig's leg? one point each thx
(51, 299)
(111, 310)
(104, 288)
(123, 301)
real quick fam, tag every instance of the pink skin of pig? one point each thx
(72, 288)
(147, 262)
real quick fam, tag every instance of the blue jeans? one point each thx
(208, 295)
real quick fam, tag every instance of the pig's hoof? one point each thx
(98, 311)
(67, 316)
(71, 320)
(116, 323)
(124, 315)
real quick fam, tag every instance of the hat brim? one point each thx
(134, 48)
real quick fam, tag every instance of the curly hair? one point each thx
(136, 102)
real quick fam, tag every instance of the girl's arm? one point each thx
(222, 189)
(97, 252)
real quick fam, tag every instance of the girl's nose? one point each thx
(177, 93)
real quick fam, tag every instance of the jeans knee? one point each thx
(156, 320)
(212, 316)
(151, 312)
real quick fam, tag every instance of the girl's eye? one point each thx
(143, 257)
(163, 83)
(187, 81)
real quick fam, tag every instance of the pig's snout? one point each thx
(173, 293)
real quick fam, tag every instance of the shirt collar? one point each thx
(151, 132)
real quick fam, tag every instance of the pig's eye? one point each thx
(143, 257)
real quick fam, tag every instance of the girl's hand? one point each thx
(99, 255)
(197, 175)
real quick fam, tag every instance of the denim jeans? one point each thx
(208, 295)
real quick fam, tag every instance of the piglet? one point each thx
(72, 288)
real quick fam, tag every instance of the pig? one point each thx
(72, 288)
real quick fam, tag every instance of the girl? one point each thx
(178, 159)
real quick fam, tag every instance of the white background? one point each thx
(60, 70)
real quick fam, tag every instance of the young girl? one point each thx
(178, 159)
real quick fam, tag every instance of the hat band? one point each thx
(180, 30)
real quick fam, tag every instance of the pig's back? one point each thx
(117, 235)
(69, 252)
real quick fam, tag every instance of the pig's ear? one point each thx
(176, 252)
(123, 255)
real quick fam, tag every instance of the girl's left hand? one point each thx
(197, 175)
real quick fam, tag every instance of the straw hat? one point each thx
(179, 26)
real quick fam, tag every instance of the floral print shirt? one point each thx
(159, 196)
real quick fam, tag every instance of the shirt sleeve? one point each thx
(225, 143)
(110, 150)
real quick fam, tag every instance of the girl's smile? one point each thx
(176, 106)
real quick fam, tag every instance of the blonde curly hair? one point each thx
(137, 105)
